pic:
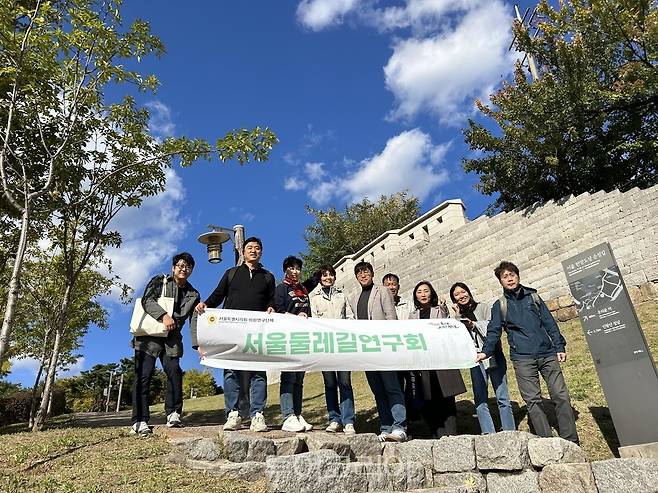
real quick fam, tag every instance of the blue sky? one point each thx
(367, 97)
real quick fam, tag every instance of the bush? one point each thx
(15, 407)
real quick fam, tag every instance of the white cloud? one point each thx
(293, 184)
(149, 234)
(321, 193)
(25, 365)
(319, 14)
(314, 171)
(442, 74)
(74, 369)
(456, 52)
(408, 162)
(161, 124)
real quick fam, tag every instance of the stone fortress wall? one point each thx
(444, 247)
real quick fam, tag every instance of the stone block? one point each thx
(328, 441)
(636, 475)
(555, 450)
(454, 454)
(503, 451)
(353, 478)
(552, 305)
(245, 471)
(648, 450)
(636, 295)
(526, 481)
(564, 314)
(649, 291)
(376, 475)
(416, 451)
(203, 449)
(319, 471)
(470, 482)
(234, 446)
(260, 448)
(565, 301)
(365, 447)
(406, 476)
(571, 478)
(289, 446)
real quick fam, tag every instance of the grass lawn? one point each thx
(106, 458)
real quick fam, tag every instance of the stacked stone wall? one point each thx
(444, 247)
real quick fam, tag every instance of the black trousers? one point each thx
(440, 413)
(144, 366)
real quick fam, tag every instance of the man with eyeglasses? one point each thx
(168, 349)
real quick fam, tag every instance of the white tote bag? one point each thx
(143, 324)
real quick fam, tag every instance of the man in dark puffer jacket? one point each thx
(536, 347)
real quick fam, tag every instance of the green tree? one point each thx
(335, 234)
(199, 383)
(589, 122)
(56, 60)
(43, 331)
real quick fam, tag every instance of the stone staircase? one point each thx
(319, 462)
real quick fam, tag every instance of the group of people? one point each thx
(536, 348)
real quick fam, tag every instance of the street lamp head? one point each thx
(214, 239)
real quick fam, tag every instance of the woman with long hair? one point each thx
(439, 387)
(475, 317)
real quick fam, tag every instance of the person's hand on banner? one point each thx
(302, 314)
(201, 352)
(200, 308)
(480, 357)
(270, 309)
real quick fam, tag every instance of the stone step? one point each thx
(319, 462)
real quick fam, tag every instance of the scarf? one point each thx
(297, 287)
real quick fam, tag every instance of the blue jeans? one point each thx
(334, 380)
(290, 393)
(257, 391)
(498, 376)
(389, 399)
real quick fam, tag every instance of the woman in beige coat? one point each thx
(439, 387)
(327, 301)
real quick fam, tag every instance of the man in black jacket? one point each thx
(168, 349)
(536, 347)
(247, 287)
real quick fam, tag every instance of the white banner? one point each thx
(245, 340)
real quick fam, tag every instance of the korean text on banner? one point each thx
(245, 340)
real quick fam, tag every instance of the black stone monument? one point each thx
(621, 356)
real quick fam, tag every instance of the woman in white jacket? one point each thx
(327, 301)
(475, 316)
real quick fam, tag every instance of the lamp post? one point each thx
(214, 240)
(217, 236)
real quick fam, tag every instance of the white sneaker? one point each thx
(173, 420)
(307, 426)
(397, 435)
(140, 428)
(292, 424)
(349, 429)
(258, 423)
(333, 427)
(233, 422)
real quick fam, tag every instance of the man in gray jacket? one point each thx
(168, 349)
(373, 302)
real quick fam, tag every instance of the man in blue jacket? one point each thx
(536, 347)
